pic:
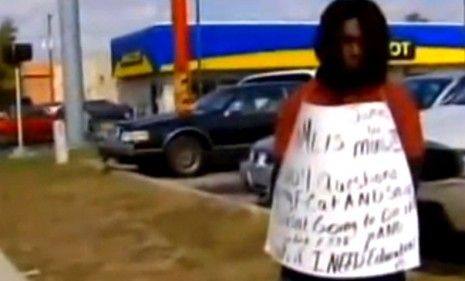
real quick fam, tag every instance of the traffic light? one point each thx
(15, 54)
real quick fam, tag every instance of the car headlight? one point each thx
(135, 136)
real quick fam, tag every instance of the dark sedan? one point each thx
(225, 122)
(100, 116)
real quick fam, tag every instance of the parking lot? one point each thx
(223, 181)
(448, 195)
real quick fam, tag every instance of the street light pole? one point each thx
(71, 58)
(19, 115)
(20, 151)
(50, 58)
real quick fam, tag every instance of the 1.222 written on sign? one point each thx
(402, 50)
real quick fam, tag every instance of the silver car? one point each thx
(257, 170)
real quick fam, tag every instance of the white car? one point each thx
(445, 125)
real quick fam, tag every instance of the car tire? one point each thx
(185, 156)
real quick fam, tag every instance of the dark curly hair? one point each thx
(333, 72)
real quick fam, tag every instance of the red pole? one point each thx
(184, 98)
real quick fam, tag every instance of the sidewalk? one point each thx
(7, 271)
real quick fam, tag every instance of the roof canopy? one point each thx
(247, 46)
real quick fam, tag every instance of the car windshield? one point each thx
(426, 91)
(217, 100)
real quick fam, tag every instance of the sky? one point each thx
(102, 20)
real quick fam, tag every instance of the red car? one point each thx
(37, 126)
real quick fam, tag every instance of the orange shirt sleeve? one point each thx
(407, 118)
(286, 121)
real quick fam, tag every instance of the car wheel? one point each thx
(185, 156)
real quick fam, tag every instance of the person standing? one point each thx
(352, 46)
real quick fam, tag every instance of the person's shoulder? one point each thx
(299, 95)
(396, 88)
(399, 95)
(304, 91)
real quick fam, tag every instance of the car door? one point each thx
(8, 129)
(43, 128)
(254, 112)
(29, 121)
(223, 127)
(37, 126)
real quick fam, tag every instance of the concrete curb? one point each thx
(8, 272)
(172, 185)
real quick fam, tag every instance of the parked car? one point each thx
(441, 162)
(256, 171)
(294, 75)
(37, 126)
(100, 117)
(51, 108)
(437, 88)
(227, 120)
(446, 125)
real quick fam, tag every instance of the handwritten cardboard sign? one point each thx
(344, 203)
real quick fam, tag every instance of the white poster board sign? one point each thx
(344, 203)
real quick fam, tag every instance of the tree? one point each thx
(7, 37)
(416, 17)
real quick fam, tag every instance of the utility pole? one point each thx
(16, 54)
(71, 58)
(50, 58)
